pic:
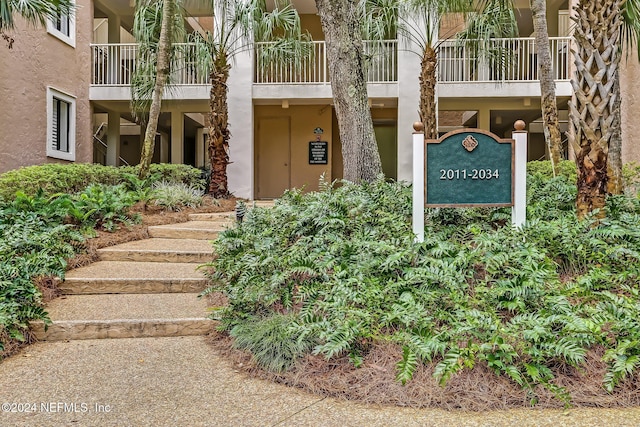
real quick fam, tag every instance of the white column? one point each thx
(240, 171)
(519, 210)
(164, 148)
(484, 118)
(113, 138)
(408, 103)
(418, 182)
(177, 137)
(200, 147)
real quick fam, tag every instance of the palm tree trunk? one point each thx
(219, 128)
(341, 27)
(163, 68)
(428, 80)
(597, 60)
(614, 166)
(552, 134)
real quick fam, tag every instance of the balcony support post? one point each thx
(177, 137)
(113, 138)
(484, 118)
(241, 169)
(201, 151)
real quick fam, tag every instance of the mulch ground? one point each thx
(478, 389)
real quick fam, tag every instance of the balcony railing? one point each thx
(509, 60)
(505, 60)
(115, 64)
(381, 64)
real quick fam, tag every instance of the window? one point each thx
(61, 125)
(64, 28)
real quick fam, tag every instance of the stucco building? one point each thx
(66, 96)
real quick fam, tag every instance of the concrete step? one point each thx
(203, 230)
(160, 250)
(262, 203)
(221, 217)
(106, 277)
(78, 317)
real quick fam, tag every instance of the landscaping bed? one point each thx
(54, 218)
(328, 291)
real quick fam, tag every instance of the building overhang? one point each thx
(316, 91)
(171, 93)
(530, 89)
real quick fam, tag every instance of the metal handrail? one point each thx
(104, 144)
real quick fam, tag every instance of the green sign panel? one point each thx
(469, 167)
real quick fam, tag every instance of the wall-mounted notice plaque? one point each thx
(318, 152)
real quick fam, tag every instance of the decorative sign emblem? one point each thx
(470, 143)
(318, 131)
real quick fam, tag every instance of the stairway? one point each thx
(145, 288)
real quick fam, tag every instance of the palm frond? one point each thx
(146, 30)
(631, 28)
(35, 12)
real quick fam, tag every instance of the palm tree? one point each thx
(237, 24)
(35, 12)
(548, 104)
(484, 19)
(594, 121)
(156, 27)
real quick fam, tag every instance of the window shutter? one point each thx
(55, 125)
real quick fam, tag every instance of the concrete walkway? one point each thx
(161, 371)
(183, 382)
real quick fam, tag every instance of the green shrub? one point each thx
(33, 242)
(175, 196)
(542, 168)
(103, 206)
(55, 178)
(631, 178)
(271, 340)
(75, 177)
(550, 198)
(338, 270)
(184, 174)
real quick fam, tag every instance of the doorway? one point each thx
(387, 138)
(273, 157)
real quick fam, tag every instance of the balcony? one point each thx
(115, 64)
(512, 68)
(457, 62)
(381, 57)
(460, 74)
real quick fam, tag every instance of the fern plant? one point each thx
(338, 271)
